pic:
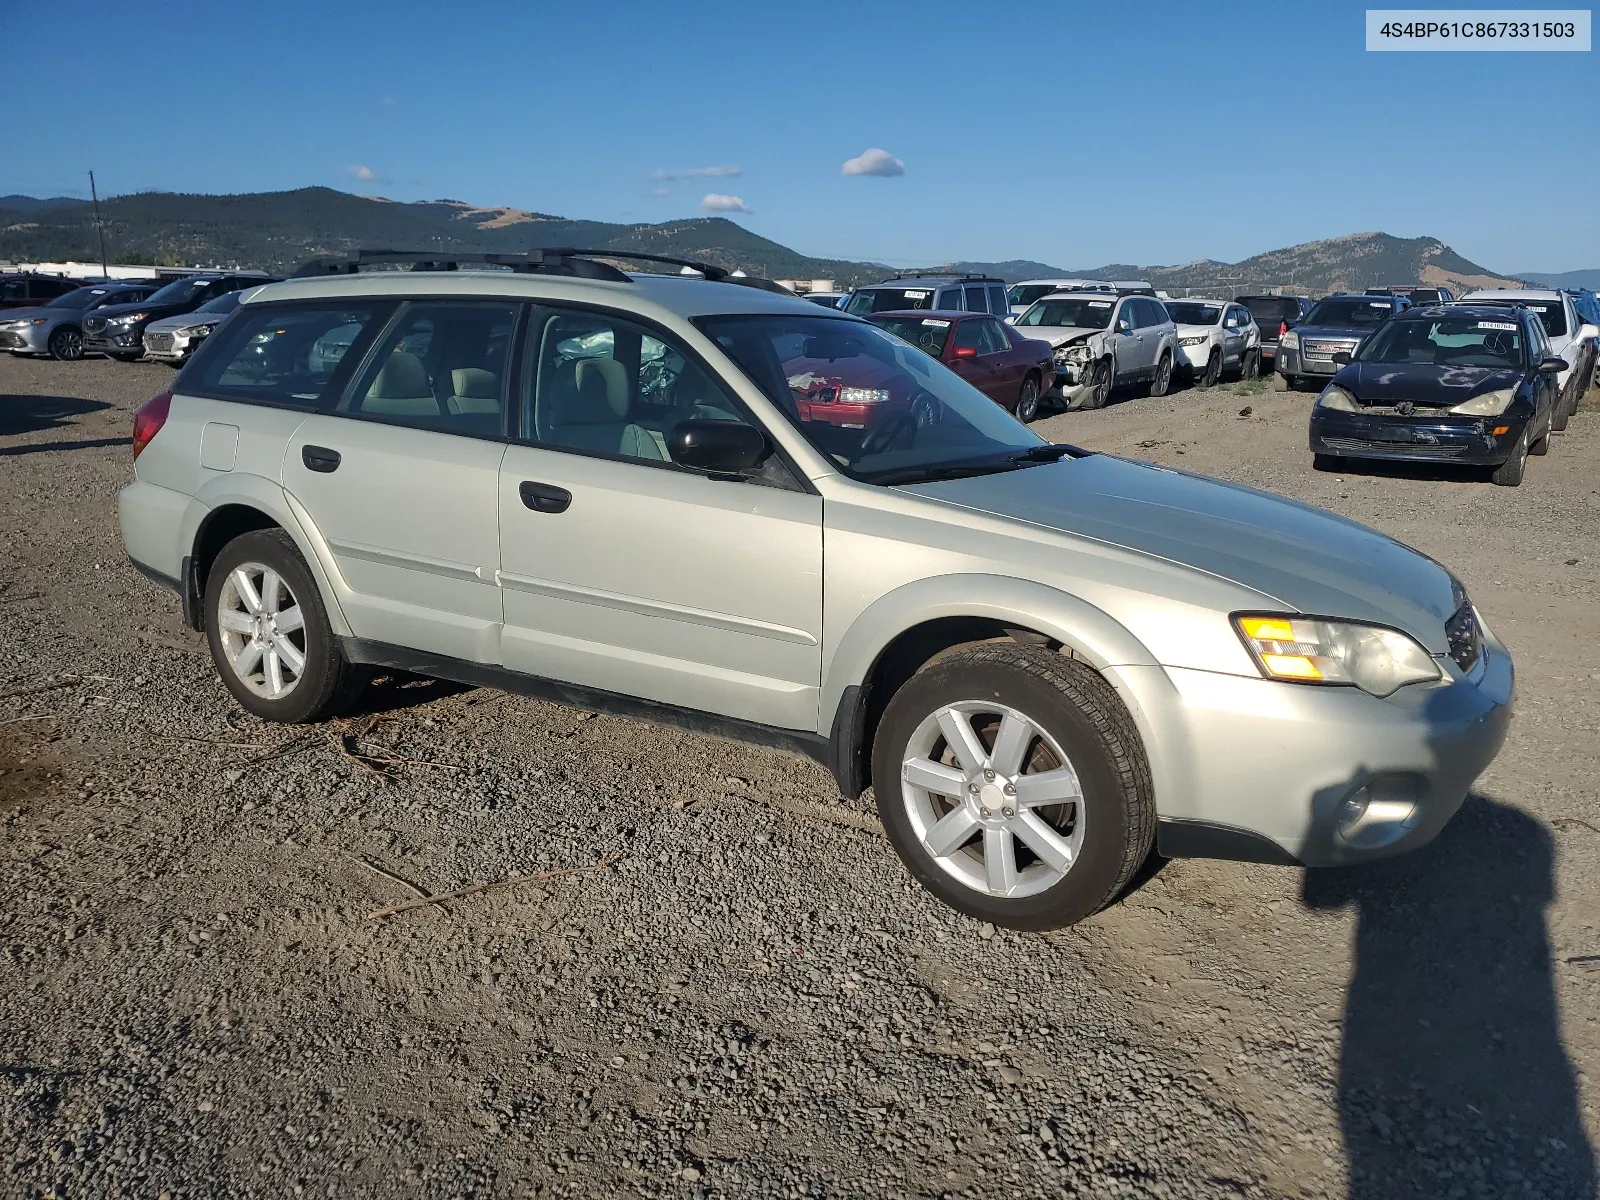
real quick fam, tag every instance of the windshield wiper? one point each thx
(1051, 453)
(933, 472)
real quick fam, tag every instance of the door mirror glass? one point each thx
(1341, 357)
(720, 447)
(1588, 332)
(1552, 366)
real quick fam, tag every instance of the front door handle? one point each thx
(542, 497)
(320, 459)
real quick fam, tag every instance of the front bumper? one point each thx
(165, 346)
(1470, 441)
(1193, 358)
(1271, 763)
(29, 339)
(113, 339)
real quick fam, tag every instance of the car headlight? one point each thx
(1490, 404)
(1373, 658)
(1078, 352)
(857, 395)
(1290, 341)
(1338, 399)
(1193, 341)
(127, 318)
(193, 331)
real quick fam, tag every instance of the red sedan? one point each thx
(989, 354)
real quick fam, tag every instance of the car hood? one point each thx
(1193, 330)
(155, 310)
(1332, 331)
(1389, 383)
(184, 321)
(1303, 558)
(1056, 335)
(26, 314)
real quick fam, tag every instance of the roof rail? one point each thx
(957, 275)
(542, 261)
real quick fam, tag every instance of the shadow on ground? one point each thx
(395, 691)
(26, 414)
(1453, 1077)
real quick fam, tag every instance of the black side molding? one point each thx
(1203, 839)
(155, 576)
(794, 741)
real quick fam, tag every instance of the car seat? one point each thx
(588, 409)
(402, 389)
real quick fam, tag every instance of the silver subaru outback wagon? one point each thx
(698, 502)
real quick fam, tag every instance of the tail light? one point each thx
(147, 422)
(1283, 328)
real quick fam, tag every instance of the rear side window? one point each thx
(287, 355)
(440, 365)
(950, 300)
(997, 300)
(977, 301)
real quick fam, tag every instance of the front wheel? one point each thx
(1562, 413)
(1163, 379)
(1013, 785)
(1028, 400)
(66, 344)
(1510, 472)
(1213, 371)
(1100, 383)
(269, 632)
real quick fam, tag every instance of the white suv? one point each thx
(718, 507)
(1102, 341)
(1214, 337)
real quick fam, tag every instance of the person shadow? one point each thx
(1453, 1080)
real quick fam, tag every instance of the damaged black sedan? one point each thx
(1463, 385)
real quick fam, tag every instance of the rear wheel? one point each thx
(1562, 414)
(1250, 365)
(1028, 399)
(1013, 785)
(1213, 371)
(1163, 380)
(66, 344)
(269, 632)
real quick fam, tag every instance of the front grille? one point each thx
(158, 341)
(1359, 446)
(1321, 349)
(1464, 636)
(94, 324)
(1416, 410)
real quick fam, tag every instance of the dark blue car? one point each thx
(1459, 384)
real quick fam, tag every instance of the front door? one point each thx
(624, 572)
(403, 480)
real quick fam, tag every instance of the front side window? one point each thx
(13, 289)
(997, 300)
(442, 365)
(1452, 342)
(950, 300)
(81, 298)
(280, 354)
(604, 385)
(977, 301)
(969, 336)
(878, 408)
(1085, 312)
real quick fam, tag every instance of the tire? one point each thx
(1280, 382)
(326, 682)
(1562, 414)
(1100, 384)
(66, 344)
(1250, 365)
(1162, 383)
(1028, 400)
(1213, 372)
(1328, 462)
(1542, 446)
(1065, 717)
(1510, 472)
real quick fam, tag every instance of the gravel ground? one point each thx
(752, 999)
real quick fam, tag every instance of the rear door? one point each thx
(1009, 367)
(967, 357)
(402, 478)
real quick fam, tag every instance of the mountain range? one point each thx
(279, 230)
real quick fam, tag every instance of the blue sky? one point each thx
(1077, 134)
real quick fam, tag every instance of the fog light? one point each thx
(1353, 809)
(1379, 812)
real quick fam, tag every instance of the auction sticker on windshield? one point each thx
(936, 324)
(1099, 304)
(1507, 325)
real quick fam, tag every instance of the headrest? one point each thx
(603, 382)
(475, 382)
(402, 377)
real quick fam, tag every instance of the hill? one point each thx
(280, 230)
(1316, 268)
(1564, 279)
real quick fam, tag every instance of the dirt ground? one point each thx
(751, 999)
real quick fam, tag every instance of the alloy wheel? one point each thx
(262, 630)
(993, 799)
(1028, 401)
(1163, 377)
(67, 344)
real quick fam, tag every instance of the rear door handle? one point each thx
(320, 459)
(542, 497)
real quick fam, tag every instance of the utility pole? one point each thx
(100, 229)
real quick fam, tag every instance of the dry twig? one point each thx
(337, 741)
(35, 717)
(474, 889)
(45, 687)
(1573, 822)
(403, 882)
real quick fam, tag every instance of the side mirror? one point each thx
(720, 447)
(966, 352)
(1342, 357)
(1552, 366)
(1589, 332)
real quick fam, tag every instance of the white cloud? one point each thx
(660, 191)
(365, 174)
(716, 202)
(874, 162)
(682, 173)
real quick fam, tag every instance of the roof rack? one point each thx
(543, 261)
(958, 275)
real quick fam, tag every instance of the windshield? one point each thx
(882, 410)
(1355, 314)
(1194, 314)
(1551, 313)
(180, 291)
(1074, 314)
(78, 298)
(874, 300)
(1453, 342)
(927, 334)
(224, 303)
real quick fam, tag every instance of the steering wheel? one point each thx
(885, 436)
